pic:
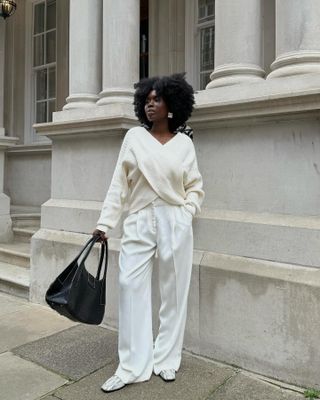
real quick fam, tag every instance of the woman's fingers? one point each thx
(101, 234)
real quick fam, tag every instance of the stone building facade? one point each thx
(66, 85)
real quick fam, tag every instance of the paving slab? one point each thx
(196, 379)
(242, 387)
(50, 398)
(23, 380)
(29, 324)
(10, 304)
(75, 352)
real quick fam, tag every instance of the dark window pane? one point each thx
(41, 82)
(41, 112)
(205, 9)
(51, 47)
(51, 14)
(38, 50)
(52, 82)
(211, 9)
(52, 108)
(38, 18)
(204, 80)
(207, 48)
(202, 9)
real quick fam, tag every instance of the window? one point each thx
(44, 60)
(144, 33)
(205, 26)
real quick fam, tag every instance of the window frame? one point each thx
(30, 136)
(192, 46)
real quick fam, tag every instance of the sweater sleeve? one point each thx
(117, 193)
(193, 185)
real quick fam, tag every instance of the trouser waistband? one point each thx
(160, 202)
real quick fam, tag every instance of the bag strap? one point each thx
(104, 252)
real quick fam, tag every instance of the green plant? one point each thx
(312, 394)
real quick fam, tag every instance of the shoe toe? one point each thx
(112, 384)
(168, 375)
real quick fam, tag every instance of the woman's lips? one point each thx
(150, 113)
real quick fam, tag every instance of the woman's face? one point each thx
(155, 107)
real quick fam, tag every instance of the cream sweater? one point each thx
(147, 169)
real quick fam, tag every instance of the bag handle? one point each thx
(104, 252)
(87, 249)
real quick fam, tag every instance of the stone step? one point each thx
(25, 220)
(14, 280)
(15, 253)
(23, 235)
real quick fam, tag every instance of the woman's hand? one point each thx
(101, 234)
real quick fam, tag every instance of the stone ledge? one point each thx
(113, 122)
(283, 238)
(275, 237)
(268, 100)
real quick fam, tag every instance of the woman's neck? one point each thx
(160, 128)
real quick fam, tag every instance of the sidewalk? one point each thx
(45, 356)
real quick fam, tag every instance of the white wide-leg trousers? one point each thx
(168, 229)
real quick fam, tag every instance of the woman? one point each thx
(157, 175)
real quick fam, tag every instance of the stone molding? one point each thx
(80, 101)
(29, 149)
(231, 74)
(295, 63)
(115, 95)
(269, 100)
(7, 141)
(110, 126)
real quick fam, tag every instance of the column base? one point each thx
(76, 101)
(115, 95)
(295, 63)
(6, 234)
(233, 74)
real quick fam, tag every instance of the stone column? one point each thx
(5, 142)
(2, 48)
(5, 220)
(85, 53)
(297, 38)
(238, 43)
(121, 21)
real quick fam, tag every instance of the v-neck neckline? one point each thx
(157, 141)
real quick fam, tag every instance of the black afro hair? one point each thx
(176, 93)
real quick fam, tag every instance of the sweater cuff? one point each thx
(191, 209)
(103, 228)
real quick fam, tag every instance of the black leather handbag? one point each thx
(78, 295)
